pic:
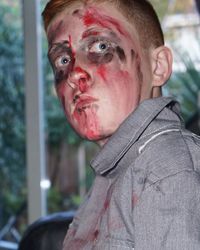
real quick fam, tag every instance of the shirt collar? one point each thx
(129, 132)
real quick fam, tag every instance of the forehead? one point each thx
(104, 15)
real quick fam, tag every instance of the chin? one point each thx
(99, 138)
(92, 136)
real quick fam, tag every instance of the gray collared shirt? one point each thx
(146, 194)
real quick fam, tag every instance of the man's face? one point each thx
(99, 68)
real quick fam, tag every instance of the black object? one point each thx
(47, 233)
(198, 5)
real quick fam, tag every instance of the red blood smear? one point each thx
(83, 79)
(70, 41)
(91, 134)
(135, 199)
(79, 70)
(80, 117)
(106, 204)
(92, 123)
(90, 33)
(102, 72)
(83, 86)
(93, 17)
(87, 121)
(70, 45)
(123, 74)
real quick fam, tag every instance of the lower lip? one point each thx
(83, 104)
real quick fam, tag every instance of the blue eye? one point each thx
(99, 47)
(62, 61)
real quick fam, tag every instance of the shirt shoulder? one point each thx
(168, 153)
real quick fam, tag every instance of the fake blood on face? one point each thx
(83, 79)
(87, 119)
(92, 16)
(90, 33)
(102, 62)
(102, 72)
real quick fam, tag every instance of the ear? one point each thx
(161, 65)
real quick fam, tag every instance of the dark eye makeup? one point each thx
(98, 50)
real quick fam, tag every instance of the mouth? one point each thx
(84, 102)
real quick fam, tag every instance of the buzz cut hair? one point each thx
(139, 13)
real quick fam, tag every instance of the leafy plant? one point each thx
(12, 120)
(185, 86)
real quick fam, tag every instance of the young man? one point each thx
(109, 61)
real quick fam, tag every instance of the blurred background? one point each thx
(63, 175)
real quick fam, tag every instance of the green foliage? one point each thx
(166, 7)
(160, 7)
(12, 129)
(58, 202)
(54, 200)
(185, 86)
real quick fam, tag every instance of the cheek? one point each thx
(115, 68)
(123, 86)
(119, 88)
(112, 71)
(63, 74)
(60, 90)
(112, 76)
(102, 71)
(123, 76)
(124, 90)
(60, 76)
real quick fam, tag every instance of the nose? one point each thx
(79, 79)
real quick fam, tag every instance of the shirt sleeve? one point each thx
(167, 215)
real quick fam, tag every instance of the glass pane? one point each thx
(13, 190)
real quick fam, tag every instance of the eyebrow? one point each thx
(58, 48)
(93, 32)
(55, 47)
(90, 32)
